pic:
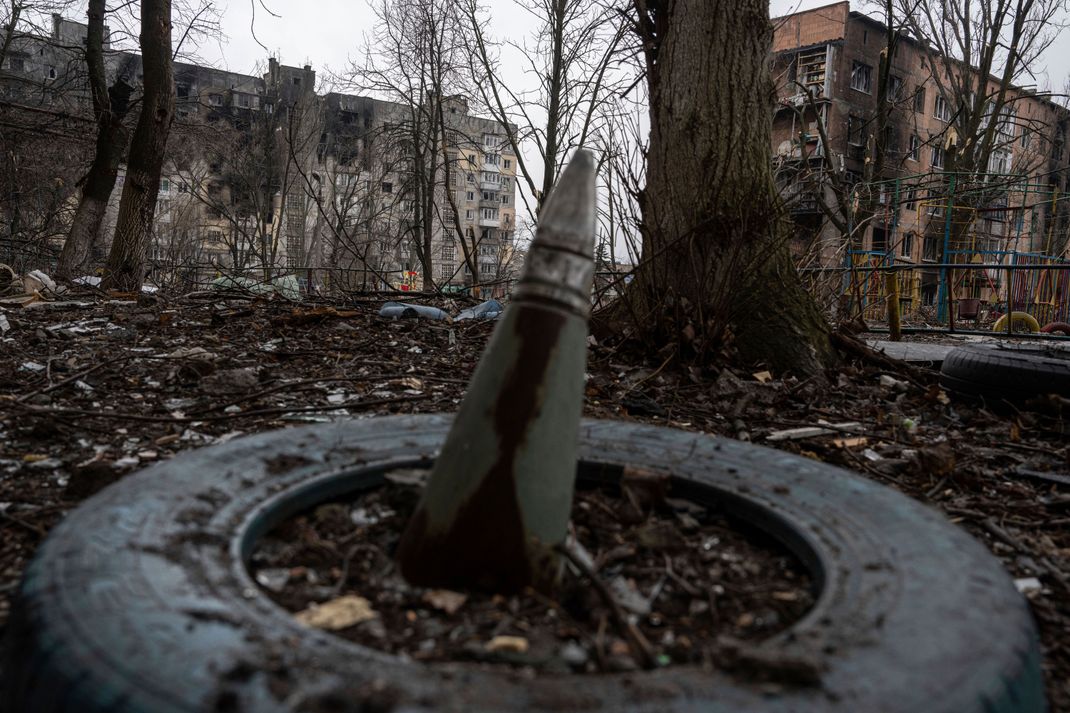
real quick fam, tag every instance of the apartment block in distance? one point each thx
(263, 174)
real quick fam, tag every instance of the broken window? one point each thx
(906, 245)
(895, 88)
(941, 110)
(919, 100)
(937, 157)
(879, 242)
(811, 70)
(861, 77)
(932, 249)
(1000, 161)
(854, 130)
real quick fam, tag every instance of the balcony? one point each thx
(490, 185)
(489, 222)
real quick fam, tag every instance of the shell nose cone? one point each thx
(560, 265)
(567, 220)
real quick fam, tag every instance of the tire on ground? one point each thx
(1053, 327)
(1010, 372)
(1017, 319)
(140, 601)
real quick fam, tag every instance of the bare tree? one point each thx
(110, 106)
(570, 55)
(416, 62)
(126, 261)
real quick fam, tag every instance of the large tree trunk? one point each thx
(126, 262)
(110, 107)
(716, 267)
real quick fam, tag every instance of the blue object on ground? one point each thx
(401, 309)
(491, 309)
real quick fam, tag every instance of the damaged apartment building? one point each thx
(265, 174)
(826, 66)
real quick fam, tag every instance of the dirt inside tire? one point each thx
(690, 579)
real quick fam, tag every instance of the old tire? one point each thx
(139, 601)
(1053, 327)
(1017, 319)
(1008, 372)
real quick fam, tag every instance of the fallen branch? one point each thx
(640, 647)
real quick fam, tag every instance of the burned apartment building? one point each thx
(826, 67)
(265, 175)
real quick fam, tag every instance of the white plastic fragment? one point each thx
(1025, 585)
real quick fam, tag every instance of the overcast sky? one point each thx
(326, 33)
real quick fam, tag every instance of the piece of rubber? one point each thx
(1019, 318)
(1010, 372)
(140, 601)
(1052, 327)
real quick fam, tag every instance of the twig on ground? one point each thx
(636, 641)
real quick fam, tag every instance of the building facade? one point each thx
(263, 174)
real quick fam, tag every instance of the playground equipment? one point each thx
(962, 247)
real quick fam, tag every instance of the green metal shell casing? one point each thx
(498, 499)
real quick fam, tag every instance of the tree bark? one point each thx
(133, 231)
(716, 268)
(110, 107)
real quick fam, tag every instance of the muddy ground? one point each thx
(96, 388)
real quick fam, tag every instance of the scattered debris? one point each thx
(107, 388)
(1028, 585)
(491, 309)
(825, 429)
(397, 310)
(445, 600)
(284, 286)
(507, 644)
(340, 613)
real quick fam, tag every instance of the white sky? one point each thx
(326, 33)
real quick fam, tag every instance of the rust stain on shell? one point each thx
(487, 544)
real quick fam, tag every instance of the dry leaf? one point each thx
(763, 376)
(445, 599)
(507, 644)
(340, 613)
